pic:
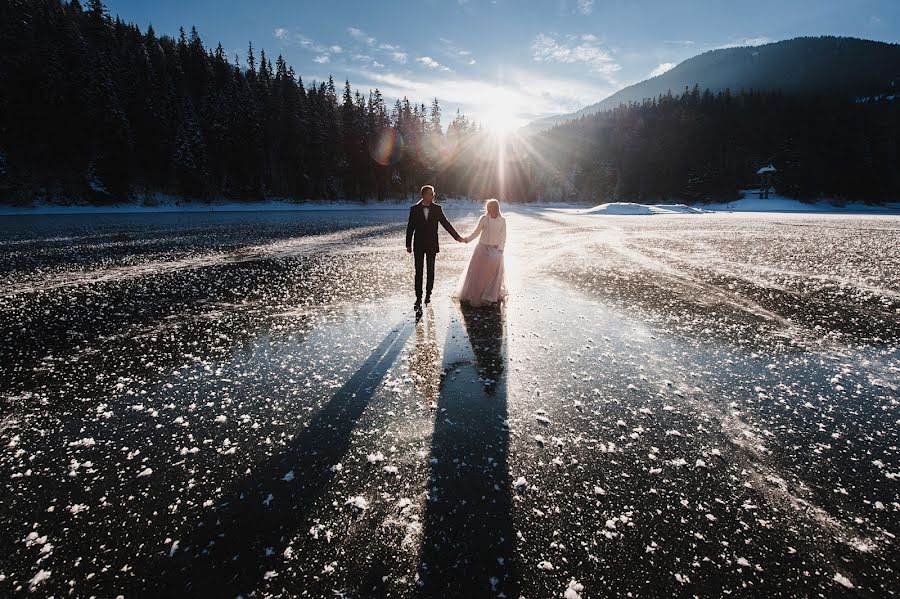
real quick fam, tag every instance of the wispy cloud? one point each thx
(361, 36)
(661, 68)
(431, 63)
(454, 51)
(365, 59)
(573, 49)
(322, 59)
(392, 51)
(295, 38)
(585, 7)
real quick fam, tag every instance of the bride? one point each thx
(484, 281)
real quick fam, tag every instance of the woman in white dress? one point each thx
(484, 281)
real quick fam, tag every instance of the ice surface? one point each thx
(680, 404)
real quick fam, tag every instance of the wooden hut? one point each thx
(766, 175)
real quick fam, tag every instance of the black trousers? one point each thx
(421, 258)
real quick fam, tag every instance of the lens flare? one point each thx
(388, 147)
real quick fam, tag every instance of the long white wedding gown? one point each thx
(484, 280)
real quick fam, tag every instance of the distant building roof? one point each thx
(766, 169)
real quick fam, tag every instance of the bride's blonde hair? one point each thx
(492, 204)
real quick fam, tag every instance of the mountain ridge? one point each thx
(797, 66)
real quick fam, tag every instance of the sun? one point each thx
(500, 122)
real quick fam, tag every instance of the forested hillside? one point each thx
(93, 107)
(702, 146)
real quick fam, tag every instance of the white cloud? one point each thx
(392, 50)
(366, 60)
(321, 59)
(585, 7)
(431, 63)
(360, 35)
(524, 94)
(298, 39)
(335, 49)
(546, 48)
(661, 68)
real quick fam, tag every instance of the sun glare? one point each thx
(500, 122)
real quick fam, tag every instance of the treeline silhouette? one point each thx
(91, 107)
(702, 146)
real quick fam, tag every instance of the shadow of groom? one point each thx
(224, 554)
(468, 546)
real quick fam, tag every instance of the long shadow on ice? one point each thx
(468, 546)
(225, 553)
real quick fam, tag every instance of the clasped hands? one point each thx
(459, 239)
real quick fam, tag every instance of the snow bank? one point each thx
(747, 203)
(776, 203)
(633, 209)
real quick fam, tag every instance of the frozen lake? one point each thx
(246, 404)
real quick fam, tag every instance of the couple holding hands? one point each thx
(483, 282)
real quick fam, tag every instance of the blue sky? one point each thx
(507, 61)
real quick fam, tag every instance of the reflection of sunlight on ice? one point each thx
(512, 253)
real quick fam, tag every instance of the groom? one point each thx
(423, 221)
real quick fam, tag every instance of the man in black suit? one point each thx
(422, 238)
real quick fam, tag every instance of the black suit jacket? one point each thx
(422, 233)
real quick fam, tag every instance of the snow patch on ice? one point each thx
(38, 578)
(573, 590)
(843, 580)
(358, 502)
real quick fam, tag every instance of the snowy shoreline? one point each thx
(776, 204)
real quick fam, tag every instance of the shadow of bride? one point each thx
(468, 546)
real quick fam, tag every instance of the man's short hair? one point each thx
(424, 187)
